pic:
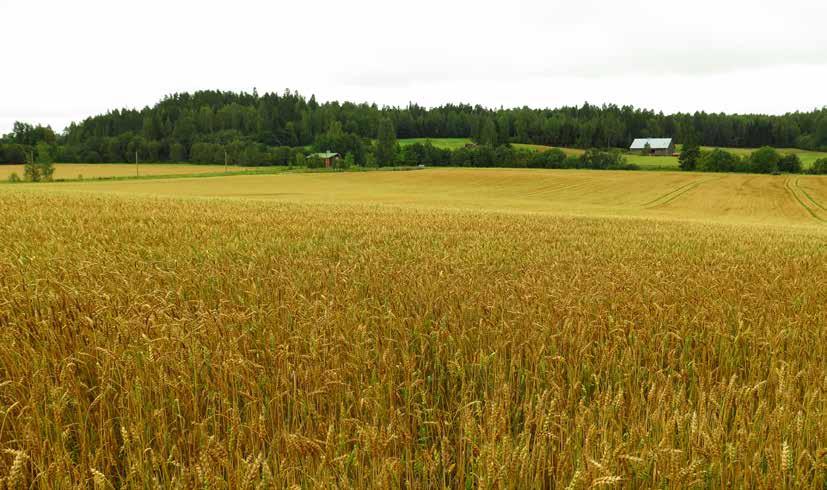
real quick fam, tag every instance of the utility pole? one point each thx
(137, 170)
(225, 161)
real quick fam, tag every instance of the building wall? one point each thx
(660, 152)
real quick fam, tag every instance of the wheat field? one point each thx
(81, 171)
(445, 328)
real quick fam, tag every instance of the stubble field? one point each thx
(454, 328)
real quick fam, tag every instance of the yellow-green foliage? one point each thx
(203, 343)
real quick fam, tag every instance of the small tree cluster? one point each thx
(765, 160)
(39, 167)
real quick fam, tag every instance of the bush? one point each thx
(718, 160)
(602, 159)
(425, 154)
(790, 163)
(765, 160)
(553, 158)
(819, 167)
(689, 157)
(314, 162)
(14, 178)
(344, 163)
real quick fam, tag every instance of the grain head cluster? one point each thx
(196, 343)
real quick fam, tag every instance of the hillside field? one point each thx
(437, 328)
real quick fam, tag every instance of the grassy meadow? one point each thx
(447, 143)
(434, 328)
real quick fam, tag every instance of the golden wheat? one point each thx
(156, 342)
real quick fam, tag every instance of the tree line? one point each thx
(765, 160)
(252, 128)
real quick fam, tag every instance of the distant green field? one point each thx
(447, 143)
(568, 151)
(656, 162)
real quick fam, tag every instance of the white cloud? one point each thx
(74, 59)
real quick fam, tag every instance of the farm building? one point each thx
(657, 146)
(327, 157)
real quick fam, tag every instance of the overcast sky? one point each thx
(63, 61)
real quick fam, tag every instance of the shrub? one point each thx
(602, 159)
(553, 158)
(764, 160)
(688, 159)
(819, 167)
(790, 163)
(314, 162)
(14, 178)
(718, 160)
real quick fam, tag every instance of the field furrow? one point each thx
(802, 198)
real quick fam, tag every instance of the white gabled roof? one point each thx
(654, 143)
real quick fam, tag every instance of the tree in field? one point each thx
(647, 150)
(718, 160)
(386, 148)
(765, 160)
(790, 163)
(688, 159)
(39, 167)
(45, 161)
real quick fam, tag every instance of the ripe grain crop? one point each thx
(187, 342)
(80, 171)
(724, 198)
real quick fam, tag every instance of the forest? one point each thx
(271, 129)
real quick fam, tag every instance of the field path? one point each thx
(676, 193)
(813, 207)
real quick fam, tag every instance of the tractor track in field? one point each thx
(807, 195)
(555, 189)
(804, 199)
(676, 193)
